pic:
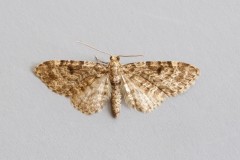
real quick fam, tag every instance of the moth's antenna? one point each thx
(138, 55)
(93, 48)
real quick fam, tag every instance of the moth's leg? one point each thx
(99, 61)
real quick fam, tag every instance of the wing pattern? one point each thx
(144, 85)
(75, 78)
(155, 81)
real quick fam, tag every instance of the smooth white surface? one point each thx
(203, 123)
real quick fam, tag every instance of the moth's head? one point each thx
(115, 58)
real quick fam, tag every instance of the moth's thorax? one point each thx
(114, 69)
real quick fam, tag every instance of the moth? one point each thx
(143, 85)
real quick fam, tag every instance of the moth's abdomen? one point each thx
(116, 100)
(116, 94)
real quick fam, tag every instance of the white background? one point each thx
(203, 123)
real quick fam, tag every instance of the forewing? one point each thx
(167, 78)
(62, 76)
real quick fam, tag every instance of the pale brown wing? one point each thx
(85, 82)
(90, 97)
(140, 93)
(167, 78)
(62, 76)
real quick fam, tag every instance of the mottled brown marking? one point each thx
(144, 85)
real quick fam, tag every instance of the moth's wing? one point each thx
(140, 93)
(90, 96)
(62, 76)
(77, 79)
(155, 81)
